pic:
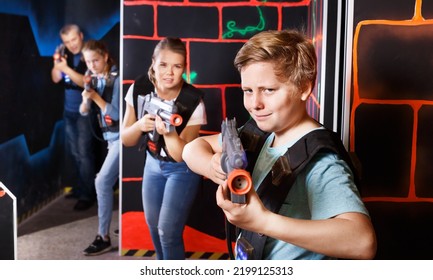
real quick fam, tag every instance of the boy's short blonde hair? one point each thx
(293, 55)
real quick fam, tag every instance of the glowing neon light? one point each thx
(191, 78)
(231, 26)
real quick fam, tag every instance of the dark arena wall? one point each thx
(384, 55)
(31, 105)
(391, 122)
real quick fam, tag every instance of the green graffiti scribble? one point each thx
(231, 26)
(191, 78)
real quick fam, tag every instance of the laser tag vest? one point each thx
(186, 102)
(276, 186)
(108, 124)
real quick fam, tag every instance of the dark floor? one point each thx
(57, 232)
(58, 212)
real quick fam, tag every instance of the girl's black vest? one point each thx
(105, 124)
(187, 101)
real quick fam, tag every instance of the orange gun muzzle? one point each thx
(176, 120)
(239, 181)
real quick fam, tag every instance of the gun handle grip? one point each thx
(239, 181)
(87, 80)
(176, 119)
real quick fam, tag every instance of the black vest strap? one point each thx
(187, 101)
(142, 86)
(277, 184)
(107, 95)
(253, 139)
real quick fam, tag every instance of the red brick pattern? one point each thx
(213, 32)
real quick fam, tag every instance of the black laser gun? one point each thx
(167, 110)
(234, 162)
(59, 52)
(90, 80)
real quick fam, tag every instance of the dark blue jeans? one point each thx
(80, 141)
(169, 190)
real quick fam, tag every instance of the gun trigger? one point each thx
(280, 170)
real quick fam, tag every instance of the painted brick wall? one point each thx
(213, 32)
(391, 122)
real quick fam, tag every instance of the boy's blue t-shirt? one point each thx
(324, 189)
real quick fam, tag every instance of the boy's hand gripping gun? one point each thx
(167, 110)
(234, 162)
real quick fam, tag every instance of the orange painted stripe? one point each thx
(132, 179)
(415, 104)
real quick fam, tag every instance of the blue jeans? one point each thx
(169, 189)
(79, 139)
(104, 182)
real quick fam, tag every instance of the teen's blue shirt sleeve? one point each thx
(324, 189)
